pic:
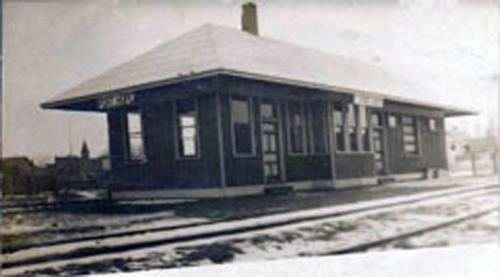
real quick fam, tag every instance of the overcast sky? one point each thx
(50, 46)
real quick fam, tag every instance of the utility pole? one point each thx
(473, 160)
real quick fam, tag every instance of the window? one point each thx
(432, 124)
(187, 128)
(351, 128)
(296, 130)
(339, 120)
(241, 116)
(135, 137)
(352, 131)
(376, 119)
(318, 123)
(363, 128)
(410, 142)
(392, 120)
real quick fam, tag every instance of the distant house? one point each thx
(73, 171)
(21, 176)
(483, 153)
(220, 112)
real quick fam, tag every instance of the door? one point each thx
(270, 142)
(378, 141)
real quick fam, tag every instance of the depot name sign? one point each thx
(115, 101)
(368, 101)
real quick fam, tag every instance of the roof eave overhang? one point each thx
(70, 103)
(65, 104)
(456, 113)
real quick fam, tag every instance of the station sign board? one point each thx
(369, 101)
(115, 101)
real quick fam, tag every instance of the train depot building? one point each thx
(222, 112)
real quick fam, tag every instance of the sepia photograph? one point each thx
(250, 138)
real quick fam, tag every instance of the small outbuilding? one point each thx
(221, 112)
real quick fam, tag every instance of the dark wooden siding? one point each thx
(432, 146)
(249, 170)
(354, 165)
(162, 169)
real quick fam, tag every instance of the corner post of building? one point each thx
(220, 138)
(281, 137)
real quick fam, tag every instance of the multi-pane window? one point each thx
(351, 128)
(296, 127)
(410, 138)
(352, 131)
(339, 120)
(376, 119)
(363, 129)
(187, 128)
(378, 140)
(135, 137)
(432, 124)
(241, 117)
(318, 123)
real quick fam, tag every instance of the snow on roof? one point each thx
(216, 49)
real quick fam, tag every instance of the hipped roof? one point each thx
(212, 49)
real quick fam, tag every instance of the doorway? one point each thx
(270, 141)
(378, 142)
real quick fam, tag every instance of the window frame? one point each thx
(250, 102)
(177, 127)
(435, 129)
(352, 128)
(367, 128)
(352, 132)
(389, 126)
(289, 128)
(341, 125)
(126, 134)
(416, 136)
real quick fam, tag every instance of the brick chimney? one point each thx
(249, 19)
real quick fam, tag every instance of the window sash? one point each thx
(351, 116)
(365, 139)
(410, 135)
(340, 138)
(392, 121)
(135, 140)
(296, 127)
(353, 139)
(240, 110)
(318, 125)
(243, 137)
(432, 124)
(187, 128)
(339, 117)
(376, 119)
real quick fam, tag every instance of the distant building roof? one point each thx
(213, 49)
(16, 161)
(482, 144)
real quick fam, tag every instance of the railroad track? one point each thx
(97, 247)
(15, 209)
(412, 233)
